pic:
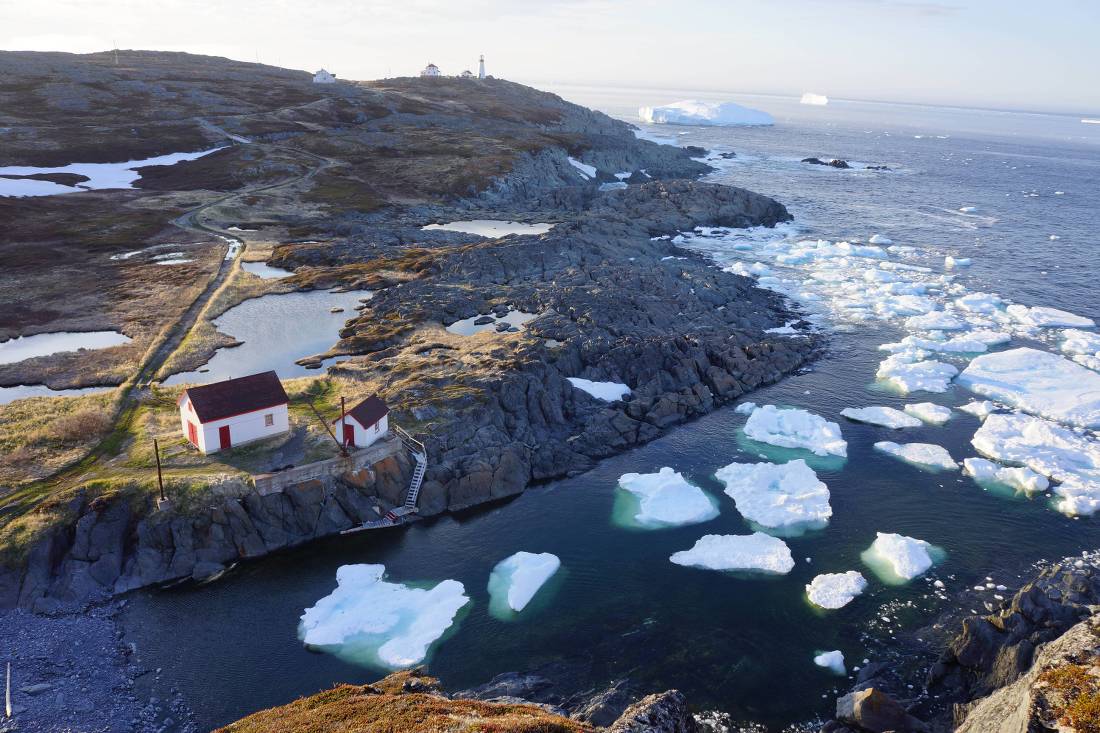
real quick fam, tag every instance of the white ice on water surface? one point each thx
(1037, 382)
(1084, 347)
(1021, 477)
(818, 100)
(1044, 317)
(922, 455)
(695, 112)
(775, 495)
(880, 239)
(666, 498)
(905, 557)
(887, 417)
(935, 321)
(833, 661)
(395, 622)
(907, 373)
(929, 412)
(979, 409)
(606, 391)
(835, 590)
(755, 552)
(745, 408)
(519, 577)
(791, 427)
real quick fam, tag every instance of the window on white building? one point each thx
(269, 420)
(377, 427)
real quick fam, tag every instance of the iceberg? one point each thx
(371, 620)
(880, 239)
(606, 391)
(818, 100)
(1043, 317)
(1038, 382)
(835, 590)
(887, 417)
(833, 661)
(922, 455)
(666, 499)
(755, 552)
(906, 374)
(795, 428)
(951, 263)
(929, 412)
(516, 579)
(694, 112)
(774, 495)
(1019, 478)
(896, 558)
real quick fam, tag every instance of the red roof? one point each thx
(369, 411)
(233, 397)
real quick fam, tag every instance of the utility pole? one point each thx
(160, 477)
(343, 424)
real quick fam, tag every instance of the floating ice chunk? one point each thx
(1020, 478)
(795, 428)
(980, 410)
(929, 412)
(897, 558)
(516, 579)
(833, 661)
(606, 391)
(968, 209)
(922, 455)
(754, 270)
(370, 619)
(935, 321)
(777, 495)
(745, 408)
(907, 374)
(972, 343)
(835, 590)
(584, 170)
(758, 551)
(1044, 317)
(1048, 449)
(887, 417)
(819, 100)
(952, 262)
(880, 239)
(979, 302)
(666, 499)
(1076, 341)
(1037, 382)
(694, 112)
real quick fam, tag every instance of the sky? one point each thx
(1011, 54)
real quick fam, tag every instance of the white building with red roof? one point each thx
(227, 414)
(363, 424)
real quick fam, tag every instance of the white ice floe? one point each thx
(795, 428)
(954, 262)
(754, 270)
(818, 100)
(755, 552)
(897, 558)
(880, 239)
(1020, 478)
(775, 495)
(907, 373)
(371, 619)
(922, 455)
(979, 302)
(969, 343)
(1048, 449)
(979, 409)
(1044, 317)
(666, 499)
(516, 579)
(745, 408)
(1084, 346)
(835, 590)
(833, 661)
(584, 170)
(694, 112)
(606, 391)
(1037, 382)
(887, 417)
(968, 209)
(935, 321)
(929, 412)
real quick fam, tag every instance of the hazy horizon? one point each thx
(969, 53)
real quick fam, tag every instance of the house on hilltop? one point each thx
(324, 77)
(227, 414)
(363, 424)
(431, 70)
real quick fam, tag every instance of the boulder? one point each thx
(875, 711)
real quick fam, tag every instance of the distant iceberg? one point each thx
(1088, 121)
(694, 112)
(819, 100)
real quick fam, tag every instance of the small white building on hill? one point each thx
(324, 77)
(431, 70)
(227, 414)
(364, 424)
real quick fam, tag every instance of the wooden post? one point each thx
(160, 477)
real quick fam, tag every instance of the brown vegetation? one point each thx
(1072, 692)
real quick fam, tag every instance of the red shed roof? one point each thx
(369, 411)
(232, 397)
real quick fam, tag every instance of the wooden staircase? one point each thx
(420, 454)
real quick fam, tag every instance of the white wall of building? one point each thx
(245, 428)
(324, 77)
(364, 436)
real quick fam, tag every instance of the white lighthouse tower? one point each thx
(481, 67)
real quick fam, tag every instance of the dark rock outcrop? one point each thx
(832, 162)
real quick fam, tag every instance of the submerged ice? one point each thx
(897, 558)
(516, 579)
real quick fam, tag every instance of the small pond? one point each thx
(26, 391)
(44, 344)
(265, 271)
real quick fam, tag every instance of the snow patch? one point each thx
(606, 391)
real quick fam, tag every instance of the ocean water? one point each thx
(739, 643)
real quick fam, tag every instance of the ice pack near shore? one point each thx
(665, 499)
(897, 559)
(921, 455)
(794, 428)
(835, 590)
(695, 112)
(833, 661)
(606, 391)
(516, 579)
(370, 620)
(1037, 382)
(887, 417)
(1044, 317)
(777, 495)
(756, 552)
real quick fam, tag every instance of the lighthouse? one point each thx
(481, 67)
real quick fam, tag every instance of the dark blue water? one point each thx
(621, 609)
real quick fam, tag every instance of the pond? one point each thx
(491, 228)
(44, 344)
(26, 391)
